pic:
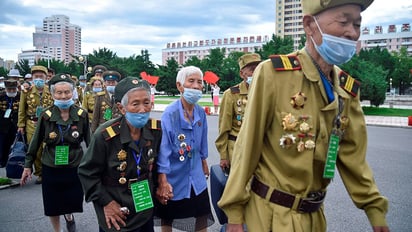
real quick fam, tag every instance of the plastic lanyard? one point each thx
(63, 132)
(137, 160)
(328, 87)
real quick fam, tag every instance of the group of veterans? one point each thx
(284, 131)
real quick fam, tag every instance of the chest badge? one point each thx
(298, 100)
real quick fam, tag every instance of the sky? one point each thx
(127, 26)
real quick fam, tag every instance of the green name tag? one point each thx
(61, 155)
(329, 171)
(107, 114)
(142, 197)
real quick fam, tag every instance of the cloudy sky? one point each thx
(127, 26)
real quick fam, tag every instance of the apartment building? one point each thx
(289, 20)
(58, 38)
(184, 50)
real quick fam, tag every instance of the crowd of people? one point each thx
(284, 131)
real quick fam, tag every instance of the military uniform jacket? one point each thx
(8, 103)
(88, 103)
(265, 147)
(110, 157)
(105, 109)
(29, 101)
(231, 116)
(71, 133)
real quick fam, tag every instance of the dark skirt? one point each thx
(186, 214)
(62, 191)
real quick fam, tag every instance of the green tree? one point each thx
(230, 71)
(400, 75)
(23, 67)
(276, 45)
(167, 77)
(3, 72)
(372, 78)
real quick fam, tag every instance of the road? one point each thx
(389, 155)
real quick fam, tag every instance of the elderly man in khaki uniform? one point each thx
(232, 109)
(304, 121)
(105, 107)
(33, 101)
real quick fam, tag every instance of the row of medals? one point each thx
(184, 146)
(239, 109)
(4, 105)
(31, 102)
(122, 156)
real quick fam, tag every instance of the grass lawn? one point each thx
(387, 111)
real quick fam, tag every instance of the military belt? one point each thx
(304, 205)
(232, 137)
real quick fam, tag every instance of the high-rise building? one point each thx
(182, 51)
(58, 38)
(289, 20)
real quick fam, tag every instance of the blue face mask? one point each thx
(249, 80)
(192, 95)
(97, 89)
(39, 83)
(110, 88)
(63, 104)
(335, 50)
(83, 84)
(137, 120)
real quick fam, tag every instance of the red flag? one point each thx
(210, 77)
(151, 79)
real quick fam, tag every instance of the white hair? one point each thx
(53, 88)
(188, 71)
(125, 98)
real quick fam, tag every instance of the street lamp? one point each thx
(392, 94)
(86, 70)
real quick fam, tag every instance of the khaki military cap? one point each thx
(99, 69)
(248, 59)
(127, 84)
(61, 77)
(38, 68)
(313, 7)
(111, 76)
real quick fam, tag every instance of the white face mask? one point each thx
(10, 94)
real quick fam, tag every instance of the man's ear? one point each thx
(121, 108)
(179, 87)
(307, 25)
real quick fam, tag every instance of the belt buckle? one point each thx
(131, 181)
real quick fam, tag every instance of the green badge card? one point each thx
(107, 114)
(61, 155)
(142, 197)
(329, 171)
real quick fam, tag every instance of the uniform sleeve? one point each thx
(249, 144)
(163, 162)
(225, 125)
(21, 121)
(91, 171)
(85, 102)
(204, 153)
(35, 143)
(96, 113)
(355, 171)
(87, 132)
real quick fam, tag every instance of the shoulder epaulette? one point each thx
(349, 84)
(155, 124)
(111, 131)
(80, 112)
(47, 114)
(235, 89)
(285, 62)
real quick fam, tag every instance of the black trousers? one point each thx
(148, 227)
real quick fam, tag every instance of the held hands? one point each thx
(25, 176)
(164, 192)
(114, 215)
(20, 130)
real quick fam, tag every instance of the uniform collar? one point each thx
(55, 115)
(126, 139)
(243, 88)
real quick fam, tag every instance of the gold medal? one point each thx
(122, 155)
(52, 135)
(301, 144)
(122, 180)
(239, 123)
(298, 100)
(289, 122)
(304, 127)
(309, 144)
(344, 122)
(122, 166)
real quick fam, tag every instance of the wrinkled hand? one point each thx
(113, 215)
(205, 168)
(380, 229)
(234, 228)
(164, 193)
(224, 164)
(20, 130)
(25, 176)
